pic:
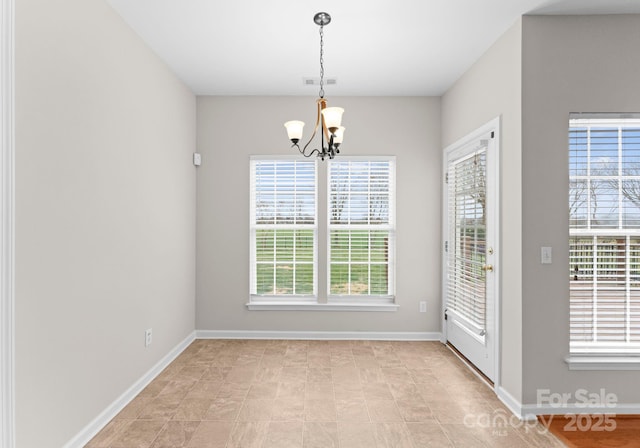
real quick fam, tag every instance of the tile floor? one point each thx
(320, 394)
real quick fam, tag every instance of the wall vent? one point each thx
(316, 81)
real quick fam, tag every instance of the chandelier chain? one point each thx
(321, 93)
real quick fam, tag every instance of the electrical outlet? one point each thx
(148, 337)
(423, 306)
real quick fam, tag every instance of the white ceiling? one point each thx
(372, 47)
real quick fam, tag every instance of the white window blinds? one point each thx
(604, 243)
(361, 227)
(466, 282)
(283, 228)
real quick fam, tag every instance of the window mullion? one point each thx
(628, 290)
(595, 289)
(275, 261)
(589, 180)
(620, 195)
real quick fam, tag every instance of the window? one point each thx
(357, 268)
(604, 242)
(283, 228)
(361, 227)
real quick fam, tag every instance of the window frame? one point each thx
(594, 355)
(254, 226)
(320, 301)
(390, 227)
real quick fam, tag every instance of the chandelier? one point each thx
(329, 118)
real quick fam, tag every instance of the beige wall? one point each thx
(489, 89)
(230, 129)
(570, 64)
(105, 214)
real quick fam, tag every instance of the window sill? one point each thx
(314, 306)
(603, 362)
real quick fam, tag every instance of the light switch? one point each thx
(545, 255)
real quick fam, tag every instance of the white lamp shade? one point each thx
(332, 116)
(294, 129)
(338, 135)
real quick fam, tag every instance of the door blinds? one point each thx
(466, 291)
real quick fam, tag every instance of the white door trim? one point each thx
(493, 125)
(7, 233)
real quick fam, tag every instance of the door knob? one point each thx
(487, 267)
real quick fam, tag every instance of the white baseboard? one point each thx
(320, 335)
(532, 411)
(617, 409)
(513, 404)
(84, 436)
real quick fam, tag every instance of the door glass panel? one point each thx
(466, 291)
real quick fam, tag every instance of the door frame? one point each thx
(491, 126)
(7, 219)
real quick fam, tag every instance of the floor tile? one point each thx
(392, 435)
(135, 407)
(205, 389)
(377, 391)
(283, 435)
(406, 391)
(396, 375)
(255, 411)
(139, 434)
(315, 394)
(161, 408)
(192, 409)
(345, 374)
(412, 411)
(384, 411)
(211, 435)
(248, 435)
(320, 435)
(233, 390)
(291, 389)
(288, 409)
(109, 434)
(267, 374)
(154, 388)
(346, 391)
(354, 410)
(290, 374)
(371, 375)
(225, 409)
(319, 375)
(319, 391)
(263, 390)
(428, 435)
(356, 435)
(464, 437)
(320, 410)
(241, 374)
(176, 434)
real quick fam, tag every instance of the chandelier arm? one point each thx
(318, 118)
(325, 131)
(310, 154)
